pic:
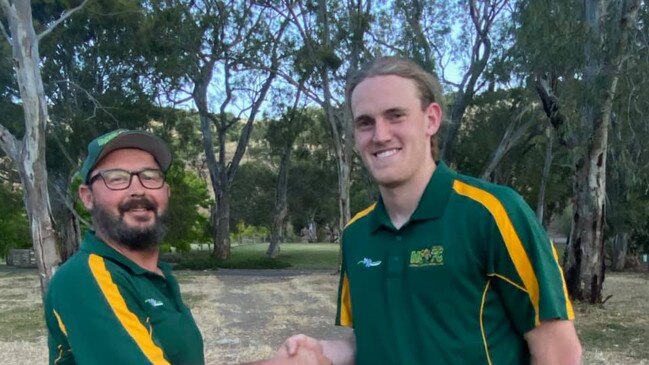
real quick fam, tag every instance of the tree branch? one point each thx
(5, 34)
(6, 8)
(66, 14)
(65, 198)
(9, 144)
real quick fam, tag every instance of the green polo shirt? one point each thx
(102, 308)
(459, 283)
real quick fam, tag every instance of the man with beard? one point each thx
(113, 302)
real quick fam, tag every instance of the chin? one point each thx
(388, 181)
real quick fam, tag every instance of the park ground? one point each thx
(245, 314)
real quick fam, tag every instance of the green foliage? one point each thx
(540, 46)
(14, 226)
(313, 193)
(188, 209)
(521, 168)
(205, 261)
(245, 232)
(253, 256)
(253, 195)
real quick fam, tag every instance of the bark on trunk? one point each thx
(540, 202)
(280, 204)
(312, 231)
(585, 260)
(40, 220)
(222, 233)
(70, 235)
(619, 249)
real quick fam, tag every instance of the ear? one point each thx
(434, 116)
(85, 194)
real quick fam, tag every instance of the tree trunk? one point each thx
(40, 219)
(584, 265)
(511, 138)
(312, 231)
(540, 202)
(280, 204)
(70, 235)
(222, 228)
(619, 249)
(29, 154)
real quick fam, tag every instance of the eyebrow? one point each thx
(362, 118)
(394, 110)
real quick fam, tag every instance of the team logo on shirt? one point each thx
(428, 256)
(367, 262)
(154, 302)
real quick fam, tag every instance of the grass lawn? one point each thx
(298, 255)
(253, 256)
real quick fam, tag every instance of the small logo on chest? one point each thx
(154, 302)
(367, 262)
(427, 257)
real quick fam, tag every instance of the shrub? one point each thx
(205, 261)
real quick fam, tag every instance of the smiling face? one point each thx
(392, 133)
(132, 217)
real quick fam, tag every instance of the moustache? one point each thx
(137, 203)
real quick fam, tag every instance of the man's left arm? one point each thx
(554, 342)
(531, 260)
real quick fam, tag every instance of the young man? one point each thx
(444, 268)
(113, 302)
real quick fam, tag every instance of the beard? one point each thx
(133, 238)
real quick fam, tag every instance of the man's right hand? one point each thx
(292, 344)
(340, 352)
(301, 356)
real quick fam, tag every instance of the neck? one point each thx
(147, 259)
(402, 200)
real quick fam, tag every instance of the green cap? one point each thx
(124, 138)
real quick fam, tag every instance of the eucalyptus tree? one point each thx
(627, 190)
(609, 24)
(330, 40)
(281, 135)
(217, 50)
(28, 153)
(578, 91)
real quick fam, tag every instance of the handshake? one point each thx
(300, 350)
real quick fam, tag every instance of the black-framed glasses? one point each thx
(118, 179)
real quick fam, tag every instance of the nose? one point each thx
(381, 131)
(136, 187)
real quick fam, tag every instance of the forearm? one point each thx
(340, 352)
(554, 343)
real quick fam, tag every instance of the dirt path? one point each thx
(246, 315)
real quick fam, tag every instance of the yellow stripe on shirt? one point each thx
(513, 243)
(61, 325)
(345, 297)
(569, 309)
(345, 304)
(128, 319)
(361, 214)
